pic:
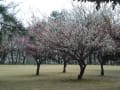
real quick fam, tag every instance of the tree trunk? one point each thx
(2, 61)
(90, 59)
(82, 69)
(102, 69)
(12, 57)
(17, 55)
(101, 65)
(3, 57)
(65, 65)
(24, 58)
(59, 60)
(94, 58)
(38, 68)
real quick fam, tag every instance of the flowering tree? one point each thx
(75, 36)
(114, 31)
(37, 44)
(80, 35)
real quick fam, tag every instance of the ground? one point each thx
(22, 77)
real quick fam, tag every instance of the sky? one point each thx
(41, 8)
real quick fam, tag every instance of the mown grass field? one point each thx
(22, 77)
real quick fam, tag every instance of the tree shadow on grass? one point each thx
(92, 79)
(76, 81)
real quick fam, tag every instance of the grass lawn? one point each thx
(22, 77)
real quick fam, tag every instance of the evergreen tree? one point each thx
(9, 26)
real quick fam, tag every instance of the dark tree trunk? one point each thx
(59, 60)
(82, 69)
(101, 65)
(2, 61)
(90, 59)
(94, 58)
(102, 69)
(17, 56)
(12, 57)
(65, 65)
(38, 68)
(3, 57)
(38, 62)
(24, 58)
(9, 61)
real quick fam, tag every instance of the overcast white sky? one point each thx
(40, 7)
(44, 7)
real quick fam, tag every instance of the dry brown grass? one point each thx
(22, 77)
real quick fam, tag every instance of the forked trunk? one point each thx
(82, 69)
